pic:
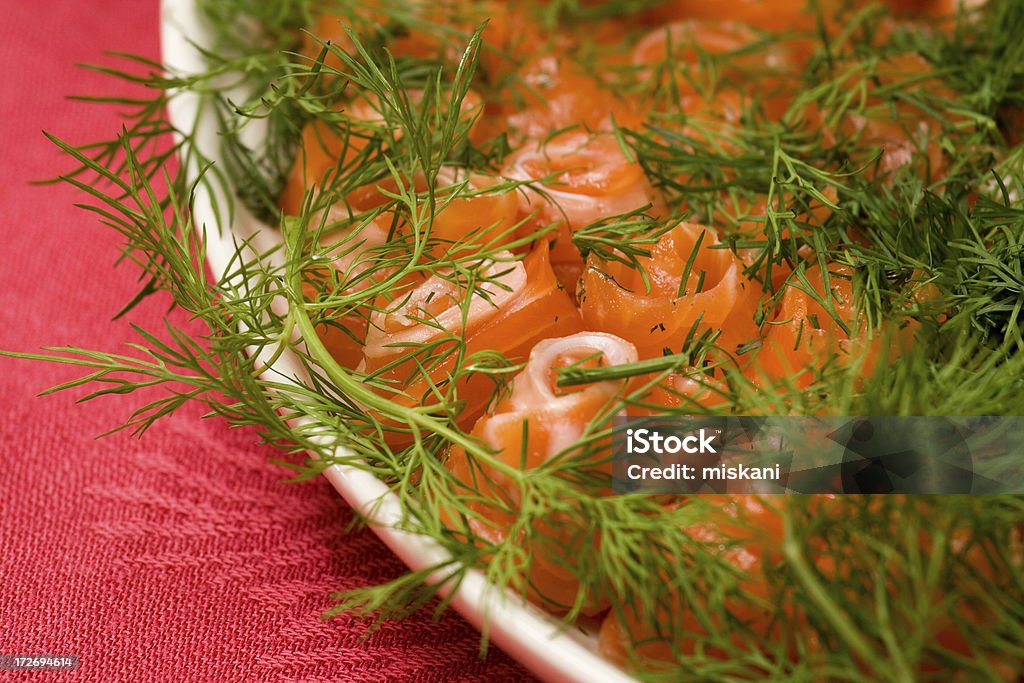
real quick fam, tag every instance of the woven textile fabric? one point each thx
(180, 556)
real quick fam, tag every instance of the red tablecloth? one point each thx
(180, 556)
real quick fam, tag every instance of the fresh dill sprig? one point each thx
(625, 238)
(939, 253)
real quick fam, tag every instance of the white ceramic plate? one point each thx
(537, 640)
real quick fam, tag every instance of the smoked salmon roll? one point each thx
(330, 150)
(551, 93)
(536, 423)
(463, 226)
(413, 341)
(577, 178)
(694, 286)
(814, 324)
(748, 65)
